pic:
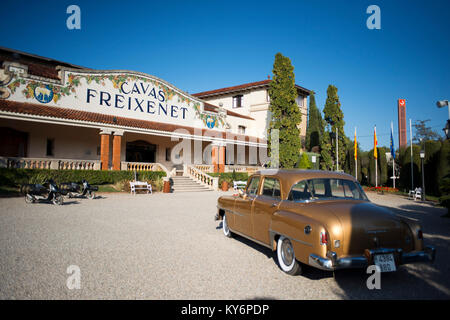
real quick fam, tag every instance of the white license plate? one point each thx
(386, 262)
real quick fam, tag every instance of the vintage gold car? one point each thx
(322, 219)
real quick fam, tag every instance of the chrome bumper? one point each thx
(332, 262)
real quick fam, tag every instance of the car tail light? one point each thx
(420, 234)
(323, 238)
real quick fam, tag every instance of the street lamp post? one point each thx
(422, 160)
(442, 104)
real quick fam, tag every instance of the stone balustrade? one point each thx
(49, 163)
(145, 166)
(203, 178)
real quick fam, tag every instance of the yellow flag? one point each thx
(375, 153)
(356, 147)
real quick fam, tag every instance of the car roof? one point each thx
(288, 177)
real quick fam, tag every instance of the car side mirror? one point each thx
(242, 194)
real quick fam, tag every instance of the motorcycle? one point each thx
(74, 190)
(48, 192)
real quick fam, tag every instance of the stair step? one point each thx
(187, 184)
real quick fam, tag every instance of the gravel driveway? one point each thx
(167, 246)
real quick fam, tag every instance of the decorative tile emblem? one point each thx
(43, 94)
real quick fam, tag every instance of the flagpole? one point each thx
(393, 158)
(337, 150)
(376, 160)
(412, 167)
(356, 157)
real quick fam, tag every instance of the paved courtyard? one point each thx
(167, 246)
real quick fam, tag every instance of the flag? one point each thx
(356, 147)
(375, 153)
(392, 142)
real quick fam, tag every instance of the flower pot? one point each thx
(224, 186)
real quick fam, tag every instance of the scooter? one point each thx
(48, 192)
(75, 190)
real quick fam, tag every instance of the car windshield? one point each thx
(315, 189)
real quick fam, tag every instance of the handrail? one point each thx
(203, 178)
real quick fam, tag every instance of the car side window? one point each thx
(300, 191)
(253, 186)
(271, 188)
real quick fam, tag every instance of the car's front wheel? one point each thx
(286, 257)
(225, 228)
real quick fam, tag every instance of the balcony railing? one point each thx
(47, 163)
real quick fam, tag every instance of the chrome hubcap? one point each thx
(287, 252)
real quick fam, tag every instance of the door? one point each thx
(140, 151)
(243, 207)
(13, 143)
(265, 206)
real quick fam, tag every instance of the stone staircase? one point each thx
(187, 184)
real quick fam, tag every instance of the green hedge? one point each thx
(230, 177)
(17, 177)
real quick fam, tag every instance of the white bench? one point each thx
(239, 184)
(415, 194)
(140, 185)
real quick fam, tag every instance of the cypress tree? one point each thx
(304, 162)
(334, 118)
(314, 130)
(286, 115)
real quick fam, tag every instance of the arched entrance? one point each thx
(140, 151)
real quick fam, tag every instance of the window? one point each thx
(252, 188)
(299, 101)
(241, 129)
(271, 188)
(267, 96)
(314, 189)
(237, 101)
(167, 154)
(50, 147)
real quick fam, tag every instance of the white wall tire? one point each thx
(286, 257)
(225, 228)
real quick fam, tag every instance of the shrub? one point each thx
(17, 177)
(230, 177)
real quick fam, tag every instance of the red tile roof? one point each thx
(77, 115)
(37, 65)
(241, 87)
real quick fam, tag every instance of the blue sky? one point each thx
(205, 45)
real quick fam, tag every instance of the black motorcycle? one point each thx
(75, 190)
(48, 192)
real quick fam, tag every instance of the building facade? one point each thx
(57, 115)
(252, 100)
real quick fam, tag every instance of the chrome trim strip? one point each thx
(299, 241)
(250, 238)
(332, 262)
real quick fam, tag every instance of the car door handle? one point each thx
(273, 205)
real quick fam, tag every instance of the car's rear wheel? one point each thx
(225, 228)
(286, 257)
